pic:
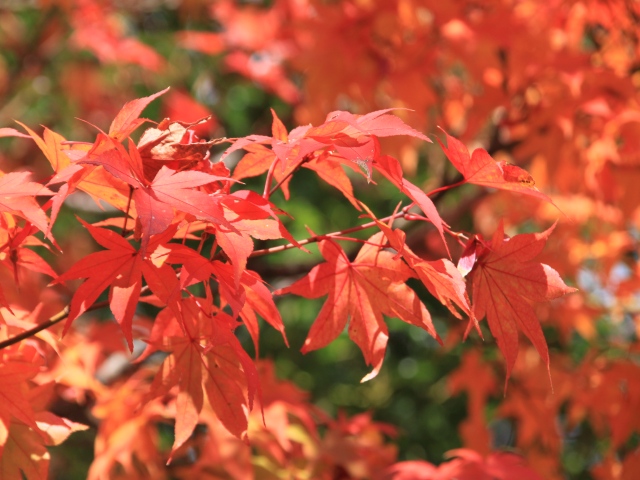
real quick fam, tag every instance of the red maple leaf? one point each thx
(128, 118)
(379, 123)
(504, 280)
(247, 297)
(13, 253)
(481, 169)
(343, 138)
(440, 277)
(12, 132)
(24, 428)
(71, 176)
(392, 170)
(120, 267)
(205, 356)
(14, 403)
(176, 144)
(468, 465)
(156, 199)
(17, 196)
(360, 292)
(352, 137)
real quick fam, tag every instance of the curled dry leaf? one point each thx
(173, 142)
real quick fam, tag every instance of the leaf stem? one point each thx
(267, 183)
(126, 213)
(284, 179)
(446, 187)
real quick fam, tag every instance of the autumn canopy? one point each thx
(386, 240)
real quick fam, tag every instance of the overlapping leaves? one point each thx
(504, 280)
(184, 241)
(360, 292)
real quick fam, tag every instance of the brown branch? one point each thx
(316, 238)
(57, 318)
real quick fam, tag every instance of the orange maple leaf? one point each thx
(121, 268)
(481, 169)
(361, 292)
(17, 196)
(504, 280)
(209, 358)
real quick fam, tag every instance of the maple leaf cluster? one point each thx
(549, 88)
(182, 242)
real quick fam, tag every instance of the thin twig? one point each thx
(57, 318)
(316, 238)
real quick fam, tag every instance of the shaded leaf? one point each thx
(504, 278)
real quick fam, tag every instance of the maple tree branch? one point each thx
(316, 238)
(57, 318)
(279, 184)
(356, 240)
(339, 235)
(403, 213)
